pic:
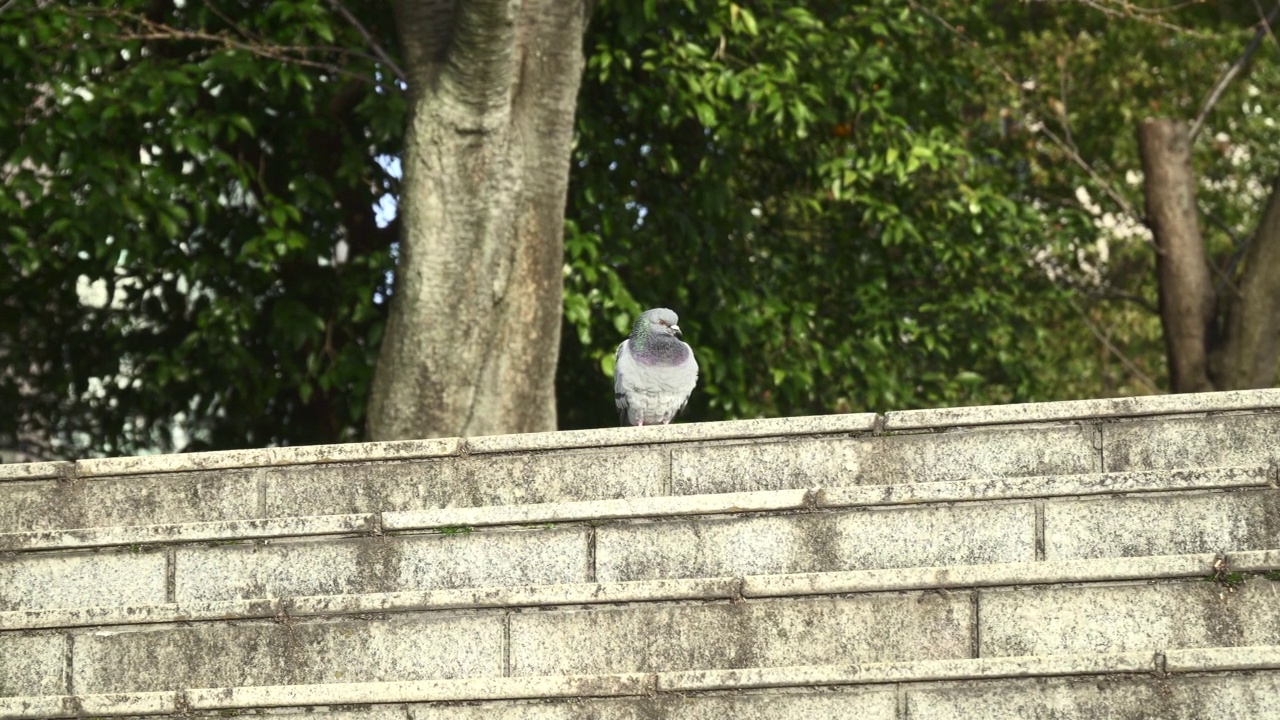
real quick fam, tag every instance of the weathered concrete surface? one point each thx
(223, 530)
(383, 564)
(866, 628)
(931, 457)
(415, 691)
(868, 704)
(1162, 524)
(1162, 443)
(46, 581)
(1266, 657)
(595, 510)
(35, 471)
(32, 665)
(374, 712)
(1232, 400)
(261, 457)
(872, 704)
(467, 482)
(861, 540)
(292, 653)
(140, 500)
(1067, 620)
(676, 432)
(1238, 697)
(1005, 488)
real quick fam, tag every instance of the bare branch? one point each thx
(368, 38)
(1236, 68)
(1111, 348)
(1131, 10)
(1266, 24)
(1228, 269)
(1151, 16)
(1062, 95)
(1107, 187)
(145, 29)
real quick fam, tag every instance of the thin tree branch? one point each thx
(147, 29)
(1130, 9)
(1124, 359)
(1266, 23)
(1228, 270)
(1151, 16)
(1107, 293)
(1106, 187)
(1236, 68)
(368, 38)
(1062, 94)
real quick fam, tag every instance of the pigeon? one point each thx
(654, 371)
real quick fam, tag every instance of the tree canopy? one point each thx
(863, 207)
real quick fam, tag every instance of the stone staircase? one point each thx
(1096, 558)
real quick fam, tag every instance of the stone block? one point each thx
(1167, 443)
(348, 488)
(292, 653)
(1162, 524)
(1229, 697)
(866, 628)
(70, 580)
(137, 500)
(384, 564)
(32, 665)
(824, 542)
(1120, 618)
(467, 481)
(777, 465)
(927, 457)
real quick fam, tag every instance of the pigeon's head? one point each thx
(658, 320)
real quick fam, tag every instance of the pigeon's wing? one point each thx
(619, 386)
(692, 369)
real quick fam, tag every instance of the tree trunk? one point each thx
(1186, 290)
(474, 328)
(1250, 349)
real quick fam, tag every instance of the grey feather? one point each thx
(654, 372)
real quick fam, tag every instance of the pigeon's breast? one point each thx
(664, 354)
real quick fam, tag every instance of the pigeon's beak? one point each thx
(675, 330)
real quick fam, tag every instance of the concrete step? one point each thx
(375, 523)
(1181, 683)
(1074, 438)
(1225, 568)
(820, 530)
(1036, 609)
(1117, 557)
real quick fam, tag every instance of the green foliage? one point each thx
(1081, 82)
(205, 189)
(801, 184)
(853, 207)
